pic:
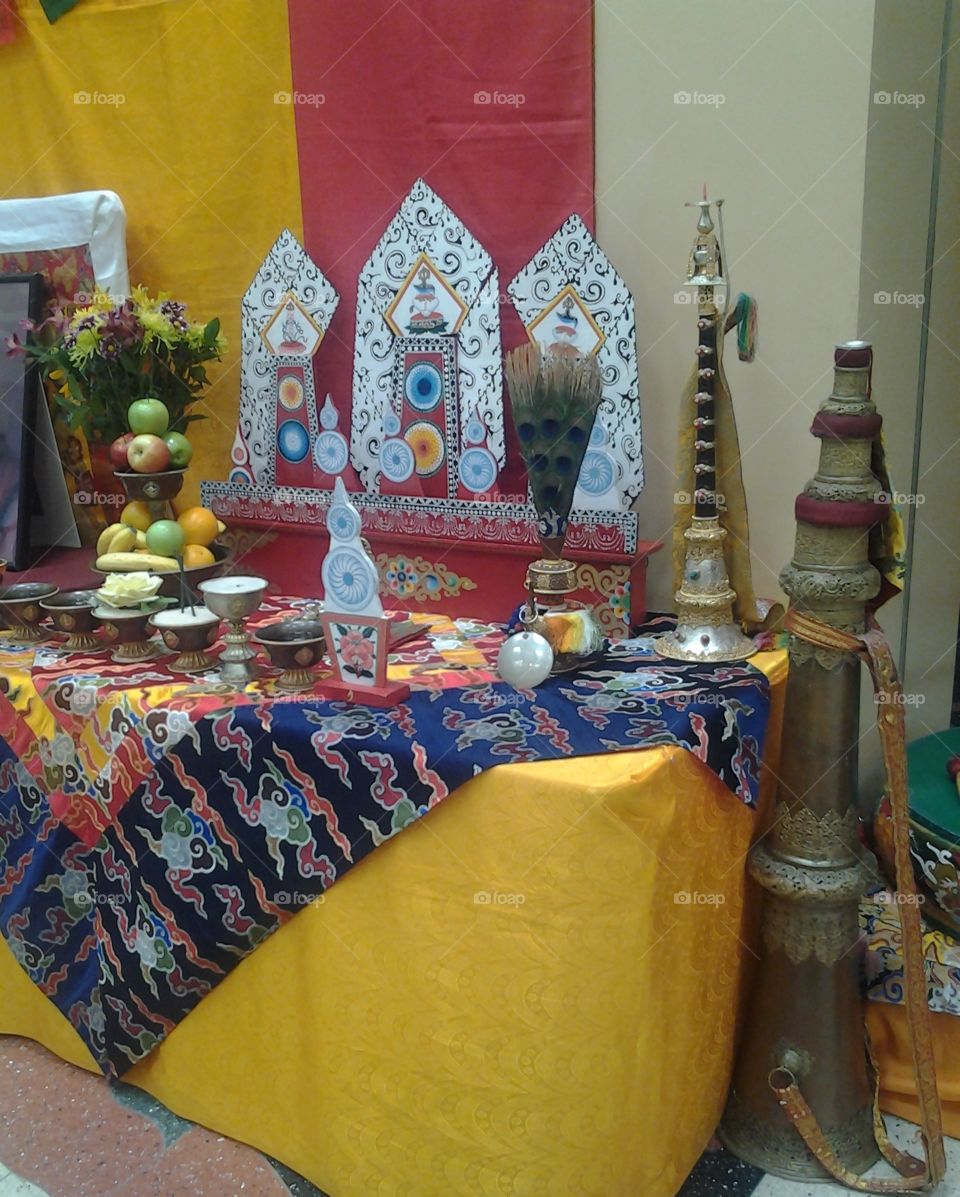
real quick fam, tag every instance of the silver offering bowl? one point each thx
(190, 632)
(72, 614)
(20, 610)
(234, 599)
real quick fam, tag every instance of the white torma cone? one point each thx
(351, 583)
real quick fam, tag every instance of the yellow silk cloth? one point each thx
(532, 991)
(887, 1024)
(171, 104)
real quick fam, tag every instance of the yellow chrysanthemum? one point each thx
(157, 327)
(85, 346)
(82, 314)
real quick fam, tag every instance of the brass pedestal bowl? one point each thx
(20, 610)
(295, 646)
(156, 490)
(190, 633)
(71, 612)
(128, 632)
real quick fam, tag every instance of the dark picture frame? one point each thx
(21, 298)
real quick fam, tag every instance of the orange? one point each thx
(200, 525)
(136, 515)
(195, 555)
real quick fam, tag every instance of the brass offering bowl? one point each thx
(72, 613)
(128, 631)
(295, 646)
(550, 582)
(21, 612)
(156, 490)
(190, 632)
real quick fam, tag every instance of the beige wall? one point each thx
(828, 194)
(786, 149)
(911, 378)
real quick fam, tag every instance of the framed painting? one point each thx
(21, 296)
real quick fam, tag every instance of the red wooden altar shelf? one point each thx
(471, 557)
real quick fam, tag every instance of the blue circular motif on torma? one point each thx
(346, 576)
(293, 441)
(423, 386)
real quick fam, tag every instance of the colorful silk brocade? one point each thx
(154, 831)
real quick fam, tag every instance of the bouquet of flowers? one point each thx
(106, 355)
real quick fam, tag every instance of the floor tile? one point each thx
(171, 1126)
(63, 1130)
(202, 1164)
(718, 1173)
(16, 1186)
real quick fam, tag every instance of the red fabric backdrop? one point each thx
(491, 103)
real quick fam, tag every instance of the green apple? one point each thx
(165, 537)
(147, 415)
(180, 450)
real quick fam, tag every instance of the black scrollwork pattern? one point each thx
(287, 267)
(425, 225)
(572, 258)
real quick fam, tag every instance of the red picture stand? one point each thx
(357, 648)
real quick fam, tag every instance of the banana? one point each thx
(141, 539)
(221, 527)
(144, 562)
(117, 538)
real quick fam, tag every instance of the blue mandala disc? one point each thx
(596, 473)
(423, 386)
(396, 460)
(292, 441)
(478, 469)
(347, 580)
(330, 452)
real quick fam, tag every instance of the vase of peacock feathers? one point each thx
(553, 402)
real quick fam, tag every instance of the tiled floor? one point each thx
(67, 1133)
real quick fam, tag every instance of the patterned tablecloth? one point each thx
(154, 830)
(883, 963)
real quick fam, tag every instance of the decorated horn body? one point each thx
(805, 1013)
(706, 630)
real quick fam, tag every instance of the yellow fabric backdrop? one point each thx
(203, 158)
(573, 1037)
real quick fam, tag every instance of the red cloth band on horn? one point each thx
(853, 359)
(857, 428)
(832, 514)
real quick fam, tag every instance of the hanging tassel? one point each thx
(743, 314)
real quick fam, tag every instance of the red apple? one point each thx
(147, 454)
(118, 451)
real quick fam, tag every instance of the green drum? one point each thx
(934, 827)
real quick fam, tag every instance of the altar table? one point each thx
(531, 990)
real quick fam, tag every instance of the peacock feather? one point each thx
(553, 400)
